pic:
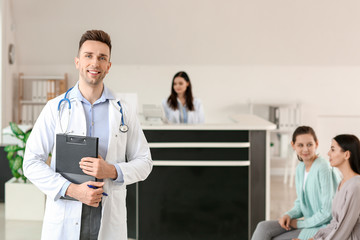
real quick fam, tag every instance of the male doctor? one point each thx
(94, 112)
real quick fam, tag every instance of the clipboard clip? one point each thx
(76, 140)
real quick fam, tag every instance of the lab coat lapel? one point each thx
(114, 123)
(77, 119)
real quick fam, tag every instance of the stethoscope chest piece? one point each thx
(123, 128)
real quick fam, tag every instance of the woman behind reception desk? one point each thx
(181, 106)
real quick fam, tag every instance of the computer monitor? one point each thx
(153, 112)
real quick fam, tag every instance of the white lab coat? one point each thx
(63, 217)
(194, 117)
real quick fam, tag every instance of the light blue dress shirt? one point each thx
(184, 112)
(97, 122)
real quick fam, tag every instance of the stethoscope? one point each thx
(123, 127)
(69, 107)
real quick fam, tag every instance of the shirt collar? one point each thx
(179, 102)
(75, 93)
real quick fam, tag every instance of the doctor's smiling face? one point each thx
(93, 62)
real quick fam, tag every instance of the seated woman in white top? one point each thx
(180, 106)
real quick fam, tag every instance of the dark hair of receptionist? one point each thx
(349, 142)
(172, 100)
(303, 130)
(95, 35)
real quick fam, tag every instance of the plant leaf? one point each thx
(16, 130)
(17, 163)
(26, 136)
(15, 174)
(15, 152)
(11, 162)
(10, 155)
(28, 131)
(12, 148)
(23, 178)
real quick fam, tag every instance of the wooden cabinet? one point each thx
(34, 92)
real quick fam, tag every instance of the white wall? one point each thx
(329, 126)
(276, 51)
(9, 72)
(321, 90)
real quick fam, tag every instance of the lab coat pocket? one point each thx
(118, 205)
(117, 148)
(55, 211)
(121, 146)
(114, 215)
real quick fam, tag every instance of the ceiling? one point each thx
(192, 32)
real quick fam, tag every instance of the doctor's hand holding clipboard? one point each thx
(86, 195)
(92, 192)
(98, 168)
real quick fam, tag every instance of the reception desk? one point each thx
(209, 182)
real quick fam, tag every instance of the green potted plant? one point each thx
(18, 188)
(15, 153)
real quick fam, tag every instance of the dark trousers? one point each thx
(90, 222)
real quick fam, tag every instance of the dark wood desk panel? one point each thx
(200, 202)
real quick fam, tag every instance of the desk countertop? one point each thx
(236, 122)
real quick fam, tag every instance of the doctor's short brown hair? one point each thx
(95, 35)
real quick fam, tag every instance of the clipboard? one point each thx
(70, 149)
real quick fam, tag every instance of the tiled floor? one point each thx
(18, 230)
(282, 198)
